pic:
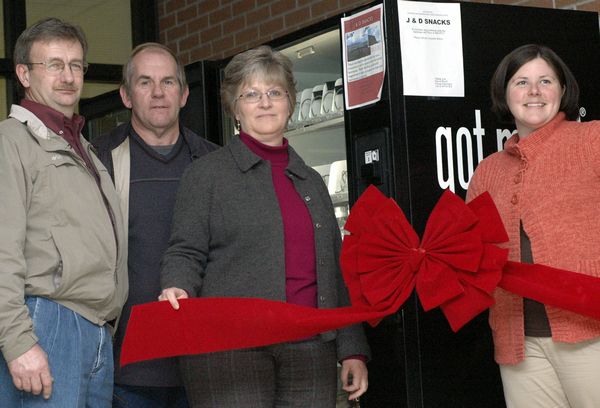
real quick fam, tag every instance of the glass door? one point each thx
(102, 114)
(316, 129)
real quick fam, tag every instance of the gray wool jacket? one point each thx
(227, 237)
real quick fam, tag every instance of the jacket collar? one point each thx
(121, 132)
(191, 140)
(246, 159)
(47, 139)
(55, 120)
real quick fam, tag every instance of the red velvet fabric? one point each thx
(203, 325)
(567, 290)
(456, 266)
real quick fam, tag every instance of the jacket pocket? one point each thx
(85, 273)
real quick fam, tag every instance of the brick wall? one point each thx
(216, 29)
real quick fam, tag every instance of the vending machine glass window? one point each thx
(316, 128)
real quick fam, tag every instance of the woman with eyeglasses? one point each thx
(253, 220)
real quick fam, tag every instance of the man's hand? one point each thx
(30, 372)
(172, 294)
(357, 369)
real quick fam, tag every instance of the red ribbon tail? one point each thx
(554, 287)
(462, 309)
(204, 325)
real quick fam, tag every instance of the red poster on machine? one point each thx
(363, 51)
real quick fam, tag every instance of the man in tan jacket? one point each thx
(63, 278)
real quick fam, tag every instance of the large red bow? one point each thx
(456, 266)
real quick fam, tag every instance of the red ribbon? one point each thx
(204, 325)
(456, 266)
(566, 290)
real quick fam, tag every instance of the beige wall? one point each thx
(106, 23)
(216, 29)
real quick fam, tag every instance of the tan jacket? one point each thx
(58, 238)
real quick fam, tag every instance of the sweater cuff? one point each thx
(355, 357)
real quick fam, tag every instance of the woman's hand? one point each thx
(357, 369)
(172, 294)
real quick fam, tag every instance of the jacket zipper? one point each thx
(98, 183)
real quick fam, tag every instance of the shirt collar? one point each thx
(53, 119)
(274, 154)
(246, 159)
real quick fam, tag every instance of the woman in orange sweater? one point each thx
(546, 186)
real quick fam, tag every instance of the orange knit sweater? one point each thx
(550, 181)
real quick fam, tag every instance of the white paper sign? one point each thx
(431, 46)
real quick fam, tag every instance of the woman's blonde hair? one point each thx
(261, 63)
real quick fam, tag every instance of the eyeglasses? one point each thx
(253, 96)
(57, 67)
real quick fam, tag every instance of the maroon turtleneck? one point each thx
(300, 269)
